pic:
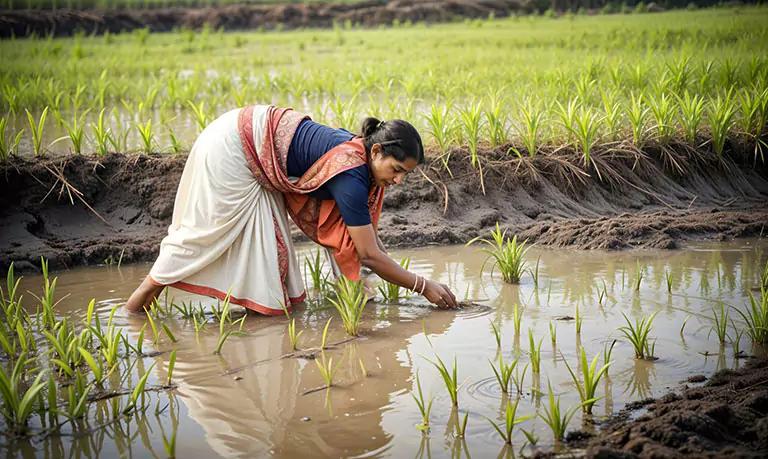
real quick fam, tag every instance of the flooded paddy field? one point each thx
(255, 397)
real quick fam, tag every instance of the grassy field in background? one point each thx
(533, 83)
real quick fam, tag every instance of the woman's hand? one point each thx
(440, 295)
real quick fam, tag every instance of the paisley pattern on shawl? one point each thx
(320, 220)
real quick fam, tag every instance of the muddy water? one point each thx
(248, 402)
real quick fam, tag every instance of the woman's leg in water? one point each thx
(140, 300)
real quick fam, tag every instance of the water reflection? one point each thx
(247, 401)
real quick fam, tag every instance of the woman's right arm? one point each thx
(372, 257)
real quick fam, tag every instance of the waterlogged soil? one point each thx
(727, 416)
(258, 397)
(82, 210)
(64, 22)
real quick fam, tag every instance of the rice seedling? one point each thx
(461, 427)
(504, 372)
(36, 128)
(506, 254)
(517, 318)
(534, 119)
(18, 405)
(510, 421)
(579, 320)
(223, 335)
(663, 110)
(584, 125)
(638, 114)
(637, 334)
(442, 128)
(362, 367)
(393, 292)
(553, 333)
(591, 377)
(519, 379)
(496, 332)
(201, 117)
(8, 145)
(691, 115)
(147, 136)
(669, 280)
(350, 302)
(535, 272)
(639, 274)
(555, 417)
(682, 327)
(472, 124)
(102, 135)
(327, 370)
(450, 378)
(497, 132)
(47, 303)
(721, 324)
(292, 335)
(721, 112)
(75, 134)
(171, 365)
(100, 372)
(77, 396)
(138, 393)
(155, 332)
(315, 266)
(756, 318)
(535, 353)
(425, 406)
(168, 332)
(763, 278)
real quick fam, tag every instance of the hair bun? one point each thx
(370, 126)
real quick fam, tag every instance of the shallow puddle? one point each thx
(249, 402)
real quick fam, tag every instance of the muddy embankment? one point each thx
(63, 22)
(725, 417)
(82, 210)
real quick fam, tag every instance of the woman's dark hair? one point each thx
(397, 138)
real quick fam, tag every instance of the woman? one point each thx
(253, 167)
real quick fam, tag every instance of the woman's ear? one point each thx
(376, 151)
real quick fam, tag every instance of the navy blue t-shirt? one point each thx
(349, 189)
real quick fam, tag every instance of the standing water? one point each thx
(247, 401)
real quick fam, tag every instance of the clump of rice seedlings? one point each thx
(202, 118)
(517, 318)
(102, 135)
(100, 372)
(496, 332)
(315, 266)
(350, 302)
(756, 318)
(639, 274)
(425, 407)
(327, 370)
(393, 292)
(187, 310)
(292, 335)
(147, 135)
(535, 353)
(638, 114)
(519, 379)
(764, 277)
(510, 421)
(442, 127)
(591, 376)
(504, 372)
(36, 128)
(637, 334)
(18, 405)
(721, 324)
(450, 378)
(47, 303)
(555, 417)
(506, 254)
(471, 124)
(584, 126)
(722, 115)
(77, 396)
(736, 341)
(534, 119)
(691, 115)
(8, 145)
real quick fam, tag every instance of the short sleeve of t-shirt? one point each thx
(350, 191)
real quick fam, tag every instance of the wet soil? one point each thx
(64, 22)
(727, 416)
(83, 210)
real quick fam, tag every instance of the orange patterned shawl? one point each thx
(319, 219)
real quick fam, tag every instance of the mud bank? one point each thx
(85, 210)
(727, 416)
(64, 22)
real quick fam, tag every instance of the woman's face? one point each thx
(387, 170)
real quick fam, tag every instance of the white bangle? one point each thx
(415, 281)
(423, 286)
